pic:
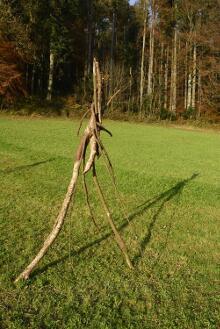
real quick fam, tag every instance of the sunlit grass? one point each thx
(169, 181)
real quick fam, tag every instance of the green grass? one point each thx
(169, 182)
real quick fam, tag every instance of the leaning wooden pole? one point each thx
(118, 237)
(63, 211)
(90, 137)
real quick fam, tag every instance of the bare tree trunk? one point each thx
(186, 78)
(171, 81)
(112, 54)
(90, 36)
(130, 88)
(189, 94)
(174, 71)
(160, 77)
(199, 93)
(50, 77)
(151, 54)
(173, 74)
(166, 79)
(194, 78)
(142, 58)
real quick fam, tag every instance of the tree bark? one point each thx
(189, 93)
(112, 54)
(50, 77)
(174, 71)
(130, 89)
(151, 53)
(166, 79)
(186, 77)
(199, 93)
(194, 77)
(90, 36)
(160, 77)
(142, 58)
(173, 74)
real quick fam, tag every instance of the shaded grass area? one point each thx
(169, 183)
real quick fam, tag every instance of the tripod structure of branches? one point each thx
(91, 137)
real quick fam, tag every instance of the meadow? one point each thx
(169, 185)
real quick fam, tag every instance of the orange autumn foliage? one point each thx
(11, 79)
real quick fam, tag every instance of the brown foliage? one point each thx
(11, 81)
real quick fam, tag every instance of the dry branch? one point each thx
(63, 211)
(90, 137)
(87, 198)
(118, 237)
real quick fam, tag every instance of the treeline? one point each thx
(159, 58)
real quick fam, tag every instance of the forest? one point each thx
(159, 58)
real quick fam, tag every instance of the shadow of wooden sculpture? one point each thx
(92, 138)
(159, 200)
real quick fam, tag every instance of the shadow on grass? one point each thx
(24, 167)
(164, 197)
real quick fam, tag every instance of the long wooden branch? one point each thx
(118, 237)
(64, 208)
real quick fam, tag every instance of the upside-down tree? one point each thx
(91, 137)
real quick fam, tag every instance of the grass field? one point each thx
(169, 180)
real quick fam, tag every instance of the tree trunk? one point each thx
(130, 89)
(189, 94)
(142, 58)
(90, 37)
(174, 71)
(173, 74)
(166, 78)
(199, 94)
(112, 54)
(186, 78)
(50, 77)
(194, 78)
(160, 78)
(151, 54)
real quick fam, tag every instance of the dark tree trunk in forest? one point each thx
(194, 77)
(51, 76)
(112, 52)
(173, 86)
(151, 54)
(143, 57)
(166, 79)
(90, 37)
